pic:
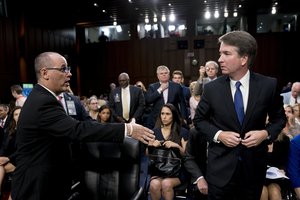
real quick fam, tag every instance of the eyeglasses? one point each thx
(64, 69)
(210, 68)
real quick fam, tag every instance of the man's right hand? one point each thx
(140, 133)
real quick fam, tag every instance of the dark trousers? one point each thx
(240, 187)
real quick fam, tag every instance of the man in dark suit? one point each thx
(73, 107)
(195, 158)
(237, 130)
(135, 101)
(4, 120)
(45, 133)
(162, 92)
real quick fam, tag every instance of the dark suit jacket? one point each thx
(175, 97)
(195, 155)
(216, 112)
(81, 113)
(45, 133)
(137, 103)
(3, 130)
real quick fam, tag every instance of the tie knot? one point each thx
(238, 84)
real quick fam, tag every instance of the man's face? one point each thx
(93, 105)
(177, 78)
(211, 71)
(295, 90)
(163, 76)
(57, 77)
(123, 81)
(3, 112)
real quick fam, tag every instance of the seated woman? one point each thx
(277, 156)
(104, 114)
(8, 148)
(168, 133)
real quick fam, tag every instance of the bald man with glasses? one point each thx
(45, 133)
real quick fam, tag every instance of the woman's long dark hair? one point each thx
(176, 123)
(12, 126)
(110, 119)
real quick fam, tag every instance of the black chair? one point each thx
(111, 171)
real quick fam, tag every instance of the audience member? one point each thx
(8, 148)
(296, 109)
(293, 167)
(93, 107)
(177, 77)
(4, 120)
(287, 87)
(169, 133)
(17, 92)
(126, 101)
(292, 128)
(233, 120)
(277, 157)
(210, 69)
(194, 99)
(105, 114)
(162, 92)
(195, 158)
(293, 96)
(45, 133)
(148, 107)
(84, 102)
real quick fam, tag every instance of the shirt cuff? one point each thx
(198, 179)
(216, 136)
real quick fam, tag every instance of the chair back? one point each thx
(111, 170)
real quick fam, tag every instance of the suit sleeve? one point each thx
(195, 155)
(141, 104)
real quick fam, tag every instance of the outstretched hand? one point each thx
(140, 133)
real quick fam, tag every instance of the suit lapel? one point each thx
(228, 100)
(254, 94)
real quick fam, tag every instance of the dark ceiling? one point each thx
(71, 12)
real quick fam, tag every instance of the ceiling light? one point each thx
(217, 14)
(163, 18)
(225, 14)
(235, 14)
(207, 15)
(172, 17)
(273, 10)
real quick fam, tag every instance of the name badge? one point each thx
(117, 98)
(71, 107)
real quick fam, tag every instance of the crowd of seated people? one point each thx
(165, 96)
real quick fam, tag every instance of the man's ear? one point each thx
(244, 59)
(44, 74)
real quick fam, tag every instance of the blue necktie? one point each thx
(238, 103)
